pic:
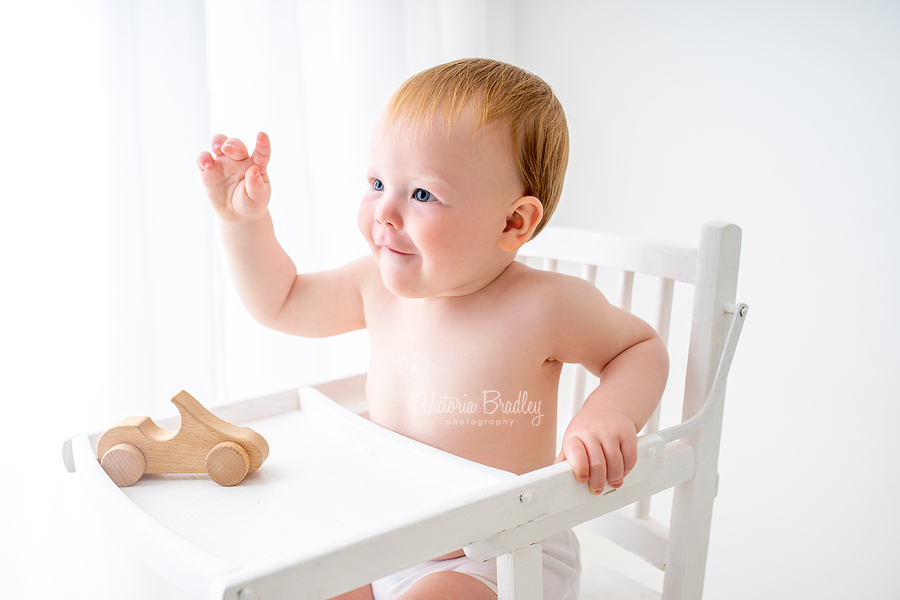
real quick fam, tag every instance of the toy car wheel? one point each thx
(124, 464)
(227, 463)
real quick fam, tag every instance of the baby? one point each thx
(466, 165)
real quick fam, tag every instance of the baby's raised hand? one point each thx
(236, 182)
(601, 447)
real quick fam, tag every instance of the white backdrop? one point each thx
(778, 116)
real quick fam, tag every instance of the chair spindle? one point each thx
(550, 264)
(626, 288)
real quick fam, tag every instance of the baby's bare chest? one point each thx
(434, 362)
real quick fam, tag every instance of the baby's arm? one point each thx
(266, 279)
(600, 442)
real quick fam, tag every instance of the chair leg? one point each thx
(519, 575)
(686, 557)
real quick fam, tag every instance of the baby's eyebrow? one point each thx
(425, 178)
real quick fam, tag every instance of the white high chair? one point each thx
(341, 501)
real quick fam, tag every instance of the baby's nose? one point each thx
(387, 213)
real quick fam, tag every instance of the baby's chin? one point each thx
(413, 292)
(404, 290)
(416, 282)
(412, 289)
(399, 286)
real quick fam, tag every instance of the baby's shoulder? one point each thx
(550, 285)
(548, 297)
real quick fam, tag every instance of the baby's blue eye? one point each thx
(422, 195)
(377, 185)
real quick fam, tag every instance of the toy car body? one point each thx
(203, 444)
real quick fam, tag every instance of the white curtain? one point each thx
(165, 314)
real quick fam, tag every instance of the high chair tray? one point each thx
(339, 502)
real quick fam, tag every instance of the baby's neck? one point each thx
(485, 286)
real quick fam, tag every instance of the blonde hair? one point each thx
(499, 93)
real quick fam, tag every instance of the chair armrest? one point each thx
(550, 500)
(717, 390)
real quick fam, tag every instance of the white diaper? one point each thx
(561, 564)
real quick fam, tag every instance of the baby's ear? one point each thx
(523, 216)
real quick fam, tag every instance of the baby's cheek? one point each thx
(453, 240)
(364, 220)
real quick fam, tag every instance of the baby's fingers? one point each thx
(257, 185)
(216, 143)
(235, 149)
(573, 451)
(262, 152)
(615, 464)
(205, 161)
(597, 460)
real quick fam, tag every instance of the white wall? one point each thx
(781, 117)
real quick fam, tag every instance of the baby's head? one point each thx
(466, 164)
(498, 94)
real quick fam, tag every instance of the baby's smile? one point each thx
(392, 245)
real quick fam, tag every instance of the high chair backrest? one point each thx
(712, 269)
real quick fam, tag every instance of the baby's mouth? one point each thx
(391, 249)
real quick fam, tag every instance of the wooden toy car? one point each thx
(203, 444)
